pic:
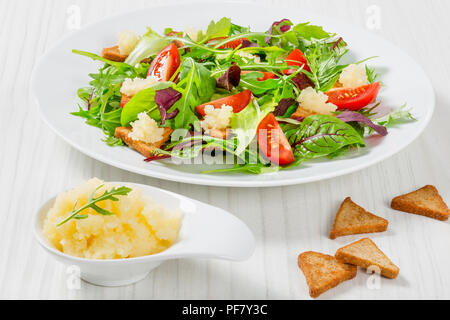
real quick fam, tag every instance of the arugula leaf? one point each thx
(254, 168)
(250, 81)
(309, 32)
(107, 195)
(372, 75)
(113, 141)
(321, 135)
(396, 117)
(98, 58)
(197, 86)
(110, 121)
(217, 29)
(323, 61)
(236, 29)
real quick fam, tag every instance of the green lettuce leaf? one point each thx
(308, 32)
(149, 45)
(143, 101)
(245, 123)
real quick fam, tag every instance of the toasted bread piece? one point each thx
(113, 54)
(365, 253)
(323, 272)
(426, 202)
(143, 148)
(301, 113)
(352, 219)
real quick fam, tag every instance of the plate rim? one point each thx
(424, 121)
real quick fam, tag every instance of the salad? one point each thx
(260, 101)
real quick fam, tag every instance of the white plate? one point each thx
(60, 73)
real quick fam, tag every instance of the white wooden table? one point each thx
(35, 163)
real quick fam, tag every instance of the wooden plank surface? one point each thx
(35, 164)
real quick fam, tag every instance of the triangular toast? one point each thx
(323, 272)
(365, 253)
(352, 219)
(426, 202)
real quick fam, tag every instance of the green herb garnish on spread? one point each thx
(92, 203)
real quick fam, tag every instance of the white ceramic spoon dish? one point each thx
(206, 232)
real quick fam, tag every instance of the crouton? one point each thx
(301, 113)
(426, 202)
(113, 54)
(143, 148)
(365, 253)
(352, 219)
(323, 272)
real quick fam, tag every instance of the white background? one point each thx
(35, 164)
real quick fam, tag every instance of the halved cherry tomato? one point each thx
(124, 100)
(354, 98)
(296, 58)
(272, 141)
(266, 75)
(233, 44)
(238, 102)
(165, 63)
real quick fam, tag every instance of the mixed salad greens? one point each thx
(267, 100)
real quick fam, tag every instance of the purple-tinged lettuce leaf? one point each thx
(285, 26)
(157, 157)
(321, 135)
(302, 81)
(246, 44)
(283, 106)
(350, 116)
(230, 78)
(299, 119)
(165, 99)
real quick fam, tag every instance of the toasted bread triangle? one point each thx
(365, 254)
(323, 272)
(352, 219)
(146, 149)
(425, 201)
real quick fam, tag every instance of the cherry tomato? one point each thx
(267, 75)
(238, 102)
(296, 58)
(272, 141)
(354, 98)
(165, 63)
(233, 44)
(124, 100)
